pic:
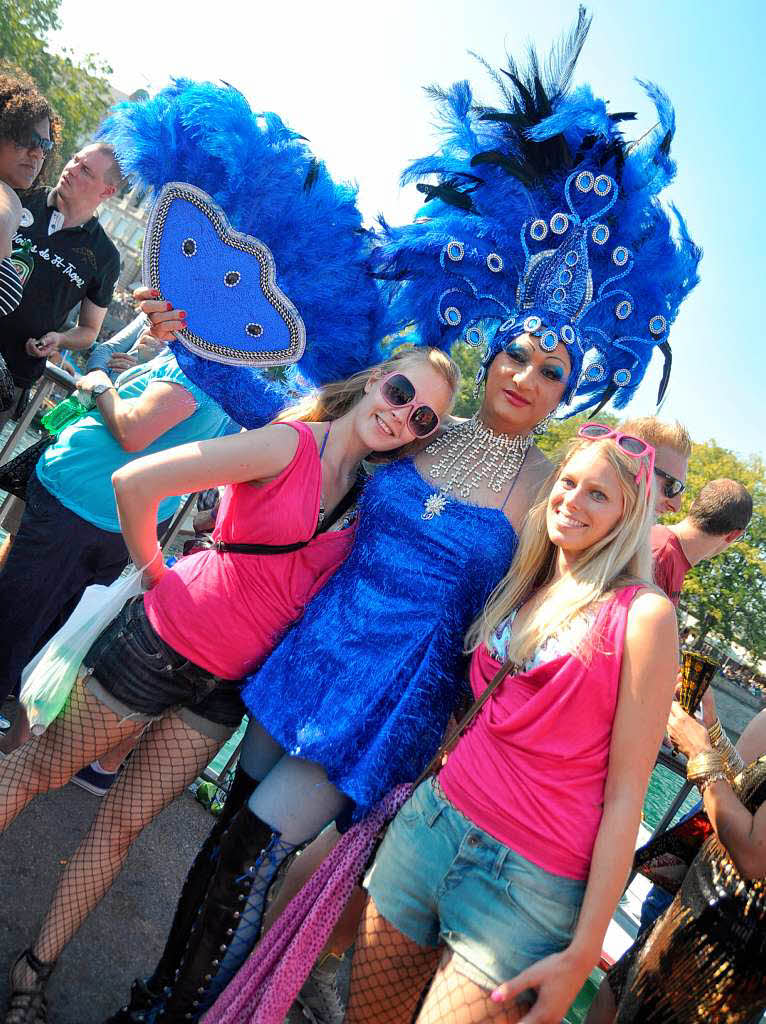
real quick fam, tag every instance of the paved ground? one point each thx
(124, 936)
(736, 707)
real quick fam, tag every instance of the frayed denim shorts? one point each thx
(137, 675)
(439, 878)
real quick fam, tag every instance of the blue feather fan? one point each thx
(270, 186)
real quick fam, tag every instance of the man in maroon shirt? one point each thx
(670, 562)
(718, 516)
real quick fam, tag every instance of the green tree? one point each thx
(77, 90)
(469, 361)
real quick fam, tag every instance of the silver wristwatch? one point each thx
(99, 390)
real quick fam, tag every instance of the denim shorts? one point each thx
(440, 879)
(137, 675)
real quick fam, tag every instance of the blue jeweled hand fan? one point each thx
(225, 280)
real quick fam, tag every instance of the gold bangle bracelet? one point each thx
(715, 732)
(733, 763)
(703, 764)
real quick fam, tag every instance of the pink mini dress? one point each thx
(226, 611)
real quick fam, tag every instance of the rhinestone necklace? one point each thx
(471, 454)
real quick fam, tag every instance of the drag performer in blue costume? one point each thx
(543, 216)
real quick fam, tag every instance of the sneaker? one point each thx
(324, 996)
(4, 723)
(95, 780)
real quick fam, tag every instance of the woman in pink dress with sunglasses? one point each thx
(286, 522)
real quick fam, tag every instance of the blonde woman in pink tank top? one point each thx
(170, 666)
(502, 873)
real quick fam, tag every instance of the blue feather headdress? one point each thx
(546, 221)
(264, 178)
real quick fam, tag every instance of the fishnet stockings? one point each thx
(455, 999)
(169, 756)
(83, 731)
(390, 973)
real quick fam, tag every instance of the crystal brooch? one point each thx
(434, 505)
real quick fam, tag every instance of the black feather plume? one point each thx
(531, 98)
(667, 353)
(607, 396)
(449, 194)
(311, 175)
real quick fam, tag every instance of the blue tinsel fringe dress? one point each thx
(365, 682)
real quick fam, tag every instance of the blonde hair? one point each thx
(620, 558)
(658, 432)
(333, 400)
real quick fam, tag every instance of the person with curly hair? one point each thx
(28, 129)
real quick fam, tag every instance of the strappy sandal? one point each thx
(28, 1005)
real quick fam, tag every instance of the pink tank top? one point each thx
(226, 611)
(532, 767)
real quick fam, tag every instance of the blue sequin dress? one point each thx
(365, 682)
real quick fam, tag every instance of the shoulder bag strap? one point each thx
(465, 721)
(243, 548)
(234, 548)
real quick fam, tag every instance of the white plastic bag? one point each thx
(47, 680)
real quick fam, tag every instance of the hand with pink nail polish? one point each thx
(555, 979)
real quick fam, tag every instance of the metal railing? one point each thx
(52, 376)
(675, 763)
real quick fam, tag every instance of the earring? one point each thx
(543, 425)
(478, 381)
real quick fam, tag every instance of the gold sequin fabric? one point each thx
(705, 959)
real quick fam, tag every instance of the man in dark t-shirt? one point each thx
(64, 258)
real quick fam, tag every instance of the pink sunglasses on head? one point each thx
(630, 445)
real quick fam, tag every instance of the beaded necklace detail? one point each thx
(471, 454)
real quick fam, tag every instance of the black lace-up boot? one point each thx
(27, 1003)
(250, 855)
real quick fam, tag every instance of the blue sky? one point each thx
(348, 75)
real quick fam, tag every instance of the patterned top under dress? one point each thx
(366, 681)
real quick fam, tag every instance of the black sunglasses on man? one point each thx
(671, 485)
